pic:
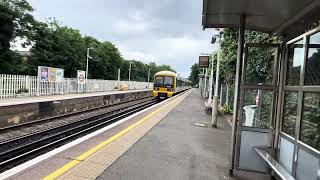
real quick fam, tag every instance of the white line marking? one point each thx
(32, 162)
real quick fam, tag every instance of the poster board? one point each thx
(50, 74)
(81, 76)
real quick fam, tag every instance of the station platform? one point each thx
(22, 110)
(36, 99)
(171, 140)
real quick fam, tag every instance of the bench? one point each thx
(274, 165)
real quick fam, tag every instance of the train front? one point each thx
(164, 84)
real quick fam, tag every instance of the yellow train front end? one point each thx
(164, 84)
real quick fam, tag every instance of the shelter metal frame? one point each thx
(300, 89)
(249, 86)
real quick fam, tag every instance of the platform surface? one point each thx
(35, 99)
(172, 140)
(178, 149)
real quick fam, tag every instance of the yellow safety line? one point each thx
(77, 160)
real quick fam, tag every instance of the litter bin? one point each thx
(249, 112)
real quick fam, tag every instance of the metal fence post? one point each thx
(221, 95)
(227, 94)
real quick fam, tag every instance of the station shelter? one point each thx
(284, 136)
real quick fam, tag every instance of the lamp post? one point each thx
(130, 74)
(215, 97)
(210, 84)
(149, 77)
(118, 79)
(88, 56)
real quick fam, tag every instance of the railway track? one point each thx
(31, 123)
(20, 149)
(24, 130)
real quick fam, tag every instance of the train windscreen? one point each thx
(163, 81)
(168, 81)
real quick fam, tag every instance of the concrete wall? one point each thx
(23, 113)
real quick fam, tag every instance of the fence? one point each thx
(10, 85)
(225, 92)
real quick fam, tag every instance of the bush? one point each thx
(22, 90)
(226, 109)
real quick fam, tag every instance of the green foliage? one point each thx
(140, 70)
(260, 61)
(60, 46)
(15, 21)
(57, 46)
(64, 47)
(22, 90)
(226, 109)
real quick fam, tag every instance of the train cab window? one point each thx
(158, 81)
(168, 81)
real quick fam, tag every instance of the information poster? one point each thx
(50, 74)
(59, 74)
(44, 73)
(81, 77)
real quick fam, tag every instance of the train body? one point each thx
(167, 84)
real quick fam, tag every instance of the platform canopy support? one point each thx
(241, 42)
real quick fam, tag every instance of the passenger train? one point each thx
(167, 84)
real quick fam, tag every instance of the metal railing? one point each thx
(22, 85)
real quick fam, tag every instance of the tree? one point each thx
(58, 46)
(140, 70)
(194, 74)
(106, 59)
(15, 21)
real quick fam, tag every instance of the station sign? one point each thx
(203, 61)
(50, 74)
(81, 76)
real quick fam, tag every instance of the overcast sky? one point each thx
(163, 31)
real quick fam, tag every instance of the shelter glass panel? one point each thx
(286, 153)
(290, 113)
(312, 74)
(260, 65)
(307, 166)
(315, 38)
(310, 124)
(295, 61)
(257, 108)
